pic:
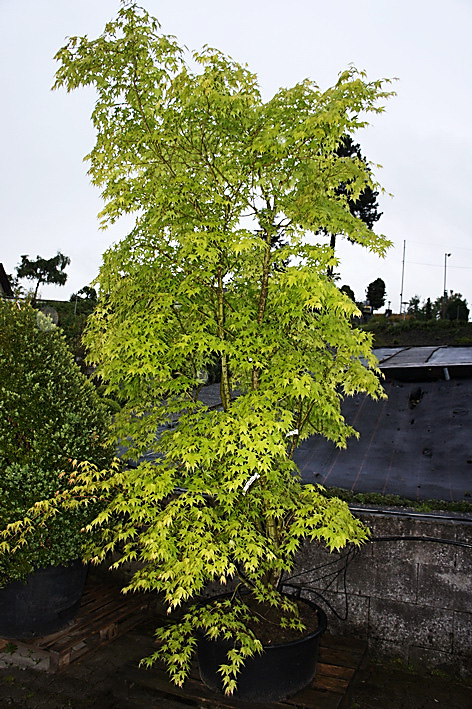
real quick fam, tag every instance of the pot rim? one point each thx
(319, 630)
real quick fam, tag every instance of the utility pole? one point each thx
(403, 274)
(444, 289)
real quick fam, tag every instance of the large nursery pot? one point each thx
(281, 671)
(46, 602)
(51, 420)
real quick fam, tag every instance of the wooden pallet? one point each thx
(339, 660)
(104, 614)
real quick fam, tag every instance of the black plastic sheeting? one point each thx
(417, 443)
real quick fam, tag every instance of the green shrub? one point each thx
(50, 417)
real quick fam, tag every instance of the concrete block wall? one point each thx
(409, 599)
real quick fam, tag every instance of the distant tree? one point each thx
(437, 308)
(456, 307)
(364, 206)
(17, 288)
(85, 293)
(376, 293)
(427, 309)
(85, 302)
(43, 270)
(348, 291)
(414, 307)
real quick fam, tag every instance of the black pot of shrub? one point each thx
(50, 418)
(45, 602)
(282, 669)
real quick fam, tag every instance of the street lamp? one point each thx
(446, 256)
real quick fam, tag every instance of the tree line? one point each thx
(446, 307)
(42, 271)
(375, 294)
(45, 271)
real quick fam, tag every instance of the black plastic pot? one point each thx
(45, 603)
(278, 673)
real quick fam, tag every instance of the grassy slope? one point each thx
(389, 332)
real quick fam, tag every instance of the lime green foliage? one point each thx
(227, 190)
(49, 416)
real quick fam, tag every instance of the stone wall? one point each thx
(410, 599)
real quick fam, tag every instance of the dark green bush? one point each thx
(50, 416)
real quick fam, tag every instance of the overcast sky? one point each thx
(423, 141)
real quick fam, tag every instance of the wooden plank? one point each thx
(94, 608)
(310, 697)
(97, 596)
(330, 684)
(105, 607)
(341, 657)
(107, 625)
(157, 680)
(328, 690)
(104, 615)
(335, 671)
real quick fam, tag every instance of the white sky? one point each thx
(423, 141)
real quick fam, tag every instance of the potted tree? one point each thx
(223, 264)
(49, 416)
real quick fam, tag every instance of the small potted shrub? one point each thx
(50, 416)
(223, 268)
